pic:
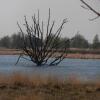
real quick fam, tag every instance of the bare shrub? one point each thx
(40, 45)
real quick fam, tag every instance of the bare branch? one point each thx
(40, 48)
(94, 18)
(90, 8)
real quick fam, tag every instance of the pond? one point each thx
(84, 69)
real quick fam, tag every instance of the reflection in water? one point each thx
(83, 69)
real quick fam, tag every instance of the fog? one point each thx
(12, 11)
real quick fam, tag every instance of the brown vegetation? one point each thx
(21, 87)
(9, 51)
(83, 56)
(80, 54)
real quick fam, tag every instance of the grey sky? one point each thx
(12, 11)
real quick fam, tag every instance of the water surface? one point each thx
(84, 69)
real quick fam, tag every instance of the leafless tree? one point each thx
(43, 45)
(90, 8)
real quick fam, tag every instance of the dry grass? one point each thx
(21, 87)
(9, 51)
(74, 53)
(83, 56)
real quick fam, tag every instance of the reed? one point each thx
(22, 87)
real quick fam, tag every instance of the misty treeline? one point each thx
(78, 41)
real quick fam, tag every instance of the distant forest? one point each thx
(78, 41)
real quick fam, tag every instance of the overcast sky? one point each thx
(12, 11)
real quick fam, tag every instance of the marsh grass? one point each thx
(22, 87)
